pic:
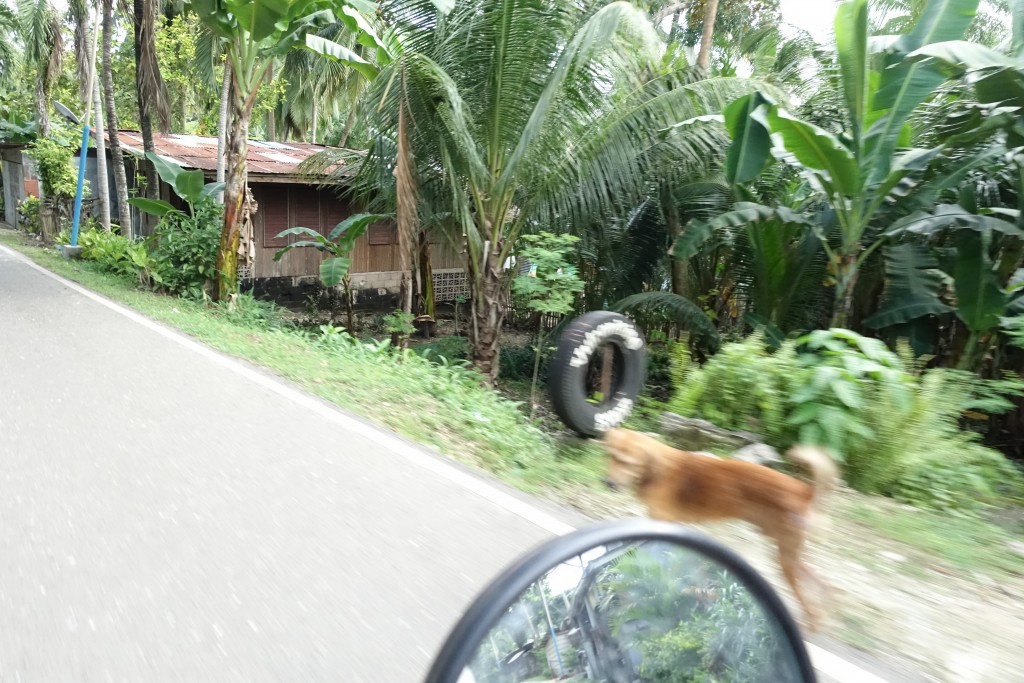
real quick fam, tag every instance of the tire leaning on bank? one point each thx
(576, 351)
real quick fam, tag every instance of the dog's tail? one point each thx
(823, 469)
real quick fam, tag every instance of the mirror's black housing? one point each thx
(492, 603)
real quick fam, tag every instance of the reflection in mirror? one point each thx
(636, 613)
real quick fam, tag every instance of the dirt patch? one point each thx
(949, 624)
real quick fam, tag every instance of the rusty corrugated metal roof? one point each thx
(200, 151)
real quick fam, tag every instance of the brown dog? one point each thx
(679, 486)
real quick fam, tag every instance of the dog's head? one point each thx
(629, 463)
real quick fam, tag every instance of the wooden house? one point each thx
(285, 198)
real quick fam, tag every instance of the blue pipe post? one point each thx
(81, 183)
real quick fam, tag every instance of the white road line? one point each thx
(824, 661)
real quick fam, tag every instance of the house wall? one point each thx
(374, 269)
(15, 173)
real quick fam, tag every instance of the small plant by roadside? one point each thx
(334, 270)
(550, 287)
(28, 214)
(399, 326)
(119, 255)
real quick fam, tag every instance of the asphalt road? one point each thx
(168, 514)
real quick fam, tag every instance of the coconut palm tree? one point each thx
(150, 90)
(549, 130)
(8, 51)
(117, 156)
(40, 30)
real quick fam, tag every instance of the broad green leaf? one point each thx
(1017, 28)
(258, 17)
(309, 232)
(189, 185)
(851, 25)
(356, 223)
(815, 148)
(693, 237)
(1003, 86)
(912, 287)
(298, 29)
(940, 21)
(340, 53)
(906, 164)
(157, 207)
(964, 54)
(333, 270)
(980, 300)
(904, 85)
(212, 189)
(751, 142)
(950, 216)
(167, 170)
(847, 393)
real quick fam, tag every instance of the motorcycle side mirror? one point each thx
(626, 602)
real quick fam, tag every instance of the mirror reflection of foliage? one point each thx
(693, 620)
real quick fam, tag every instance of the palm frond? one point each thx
(674, 308)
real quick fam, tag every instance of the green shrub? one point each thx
(184, 248)
(53, 164)
(28, 210)
(517, 362)
(450, 349)
(248, 311)
(119, 255)
(896, 430)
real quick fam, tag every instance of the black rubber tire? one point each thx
(567, 373)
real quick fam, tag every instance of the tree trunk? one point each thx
(234, 196)
(349, 123)
(313, 124)
(102, 185)
(120, 177)
(408, 220)
(42, 108)
(487, 303)
(222, 125)
(349, 313)
(710, 13)
(680, 267)
(425, 291)
(271, 114)
(145, 115)
(846, 282)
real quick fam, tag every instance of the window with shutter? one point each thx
(382, 232)
(305, 204)
(335, 211)
(274, 206)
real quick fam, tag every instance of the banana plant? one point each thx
(338, 244)
(872, 161)
(254, 34)
(986, 270)
(191, 186)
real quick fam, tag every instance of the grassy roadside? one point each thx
(446, 409)
(441, 407)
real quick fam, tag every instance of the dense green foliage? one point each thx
(895, 428)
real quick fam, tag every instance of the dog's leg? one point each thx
(790, 546)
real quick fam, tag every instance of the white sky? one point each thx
(814, 16)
